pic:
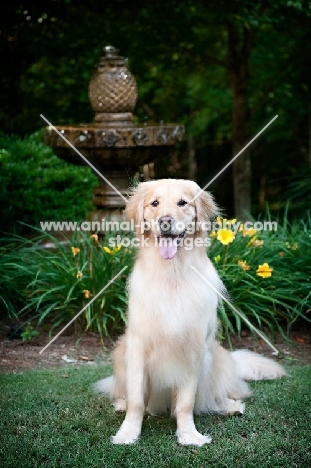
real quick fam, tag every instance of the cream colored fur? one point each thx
(169, 359)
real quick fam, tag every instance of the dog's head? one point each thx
(171, 210)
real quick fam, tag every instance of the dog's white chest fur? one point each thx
(172, 301)
(178, 309)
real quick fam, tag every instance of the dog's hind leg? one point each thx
(115, 385)
(119, 377)
(233, 407)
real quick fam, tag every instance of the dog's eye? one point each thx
(155, 203)
(182, 203)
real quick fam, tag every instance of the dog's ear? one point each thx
(135, 206)
(205, 206)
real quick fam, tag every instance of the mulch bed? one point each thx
(18, 356)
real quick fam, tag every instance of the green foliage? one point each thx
(298, 193)
(60, 282)
(55, 421)
(35, 185)
(54, 285)
(14, 277)
(178, 51)
(29, 332)
(281, 297)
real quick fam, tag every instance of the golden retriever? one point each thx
(168, 358)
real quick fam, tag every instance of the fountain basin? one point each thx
(114, 148)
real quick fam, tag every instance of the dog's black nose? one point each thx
(166, 223)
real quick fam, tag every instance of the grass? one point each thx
(51, 418)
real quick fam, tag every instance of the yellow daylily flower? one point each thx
(244, 265)
(86, 293)
(75, 251)
(249, 232)
(225, 236)
(254, 242)
(113, 250)
(213, 234)
(264, 270)
(231, 221)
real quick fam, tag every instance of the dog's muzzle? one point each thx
(169, 239)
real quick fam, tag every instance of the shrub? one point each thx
(36, 185)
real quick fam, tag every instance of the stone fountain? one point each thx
(113, 143)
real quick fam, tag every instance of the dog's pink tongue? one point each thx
(168, 248)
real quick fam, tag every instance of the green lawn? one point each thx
(51, 418)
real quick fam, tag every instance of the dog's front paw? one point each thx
(193, 438)
(127, 434)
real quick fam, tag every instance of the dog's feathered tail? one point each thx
(104, 385)
(252, 366)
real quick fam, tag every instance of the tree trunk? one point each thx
(192, 165)
(239, 46)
